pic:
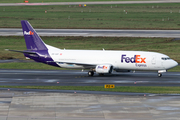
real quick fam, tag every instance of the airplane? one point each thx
(99, 61)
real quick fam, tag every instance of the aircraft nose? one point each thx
(174, 63)
(170, 64)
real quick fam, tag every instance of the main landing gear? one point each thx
(90, 73)
(159, 74)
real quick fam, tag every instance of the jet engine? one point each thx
(104, 68)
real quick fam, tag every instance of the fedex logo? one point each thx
(28, 33)
(102, 67)
(135, 59)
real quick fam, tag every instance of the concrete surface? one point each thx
(72, 106)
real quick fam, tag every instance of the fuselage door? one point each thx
(156, 62)
(153, 61)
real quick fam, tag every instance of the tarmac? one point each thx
(16, 105)
(39, 104)
(95, 33)
(79, 78)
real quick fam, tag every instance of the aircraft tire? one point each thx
(159, 74)
(90, 73)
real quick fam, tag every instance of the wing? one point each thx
(85, 65)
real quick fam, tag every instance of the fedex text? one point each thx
(134, 59)
(28, 33)
(102, 67)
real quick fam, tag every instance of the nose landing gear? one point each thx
(160, 72)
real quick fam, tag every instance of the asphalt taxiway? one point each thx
(95, 32)
(79, 78)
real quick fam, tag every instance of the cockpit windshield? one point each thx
(166, 58)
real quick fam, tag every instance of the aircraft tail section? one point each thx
(32, 39)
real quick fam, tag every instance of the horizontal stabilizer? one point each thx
(28, 52)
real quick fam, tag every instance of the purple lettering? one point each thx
(133, 59)
(128, 60)
(122, 57)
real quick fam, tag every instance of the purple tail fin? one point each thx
(33, 41)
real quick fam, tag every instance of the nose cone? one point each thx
(168, 64)
(173, 64)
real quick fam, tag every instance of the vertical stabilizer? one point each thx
(32, 39)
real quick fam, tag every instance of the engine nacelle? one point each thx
(104, 68)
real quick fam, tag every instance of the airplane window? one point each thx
(167, 58)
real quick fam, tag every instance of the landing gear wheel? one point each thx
(90, 73)
(159, 74)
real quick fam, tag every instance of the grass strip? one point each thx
(32, 66)
(121, 16)
(136, 89)
(43, 1)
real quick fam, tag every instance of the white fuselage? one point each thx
(125, 60)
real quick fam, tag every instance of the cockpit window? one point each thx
(165, 58)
